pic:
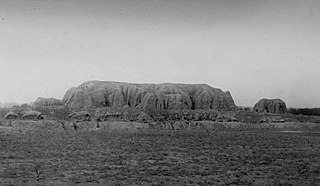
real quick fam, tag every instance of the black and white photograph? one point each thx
(159, 92)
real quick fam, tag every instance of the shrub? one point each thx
(305, 111)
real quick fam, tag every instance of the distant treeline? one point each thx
(305, 111)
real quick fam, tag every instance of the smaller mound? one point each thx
(32, 115)
(276, 106)
(11, 115)
(47, 102)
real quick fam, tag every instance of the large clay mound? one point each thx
(270, 106)
(165, 96)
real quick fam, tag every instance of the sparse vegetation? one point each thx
(305, 111)
(152, 157)
(214, 150)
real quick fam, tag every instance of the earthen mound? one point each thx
(167, 96)
(11, 115)
(270, 106)
(47, 102)
(32, 115)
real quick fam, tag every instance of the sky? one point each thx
(253, 48)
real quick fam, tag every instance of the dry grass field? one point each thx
(160, 157)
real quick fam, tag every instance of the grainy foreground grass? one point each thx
(160, 157)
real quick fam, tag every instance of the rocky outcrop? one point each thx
(111, 115)
(147, 96)
(121, 115)
(270, 106)
(80, 116)
(144, 118)
(47, 102)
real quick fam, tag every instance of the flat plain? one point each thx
(160, 157)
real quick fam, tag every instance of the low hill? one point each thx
(47, 102)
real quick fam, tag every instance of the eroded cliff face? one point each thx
(147, 96)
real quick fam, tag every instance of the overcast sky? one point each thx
(254, 49)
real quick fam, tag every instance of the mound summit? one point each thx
(93, 94)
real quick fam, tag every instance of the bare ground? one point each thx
(160, 157)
